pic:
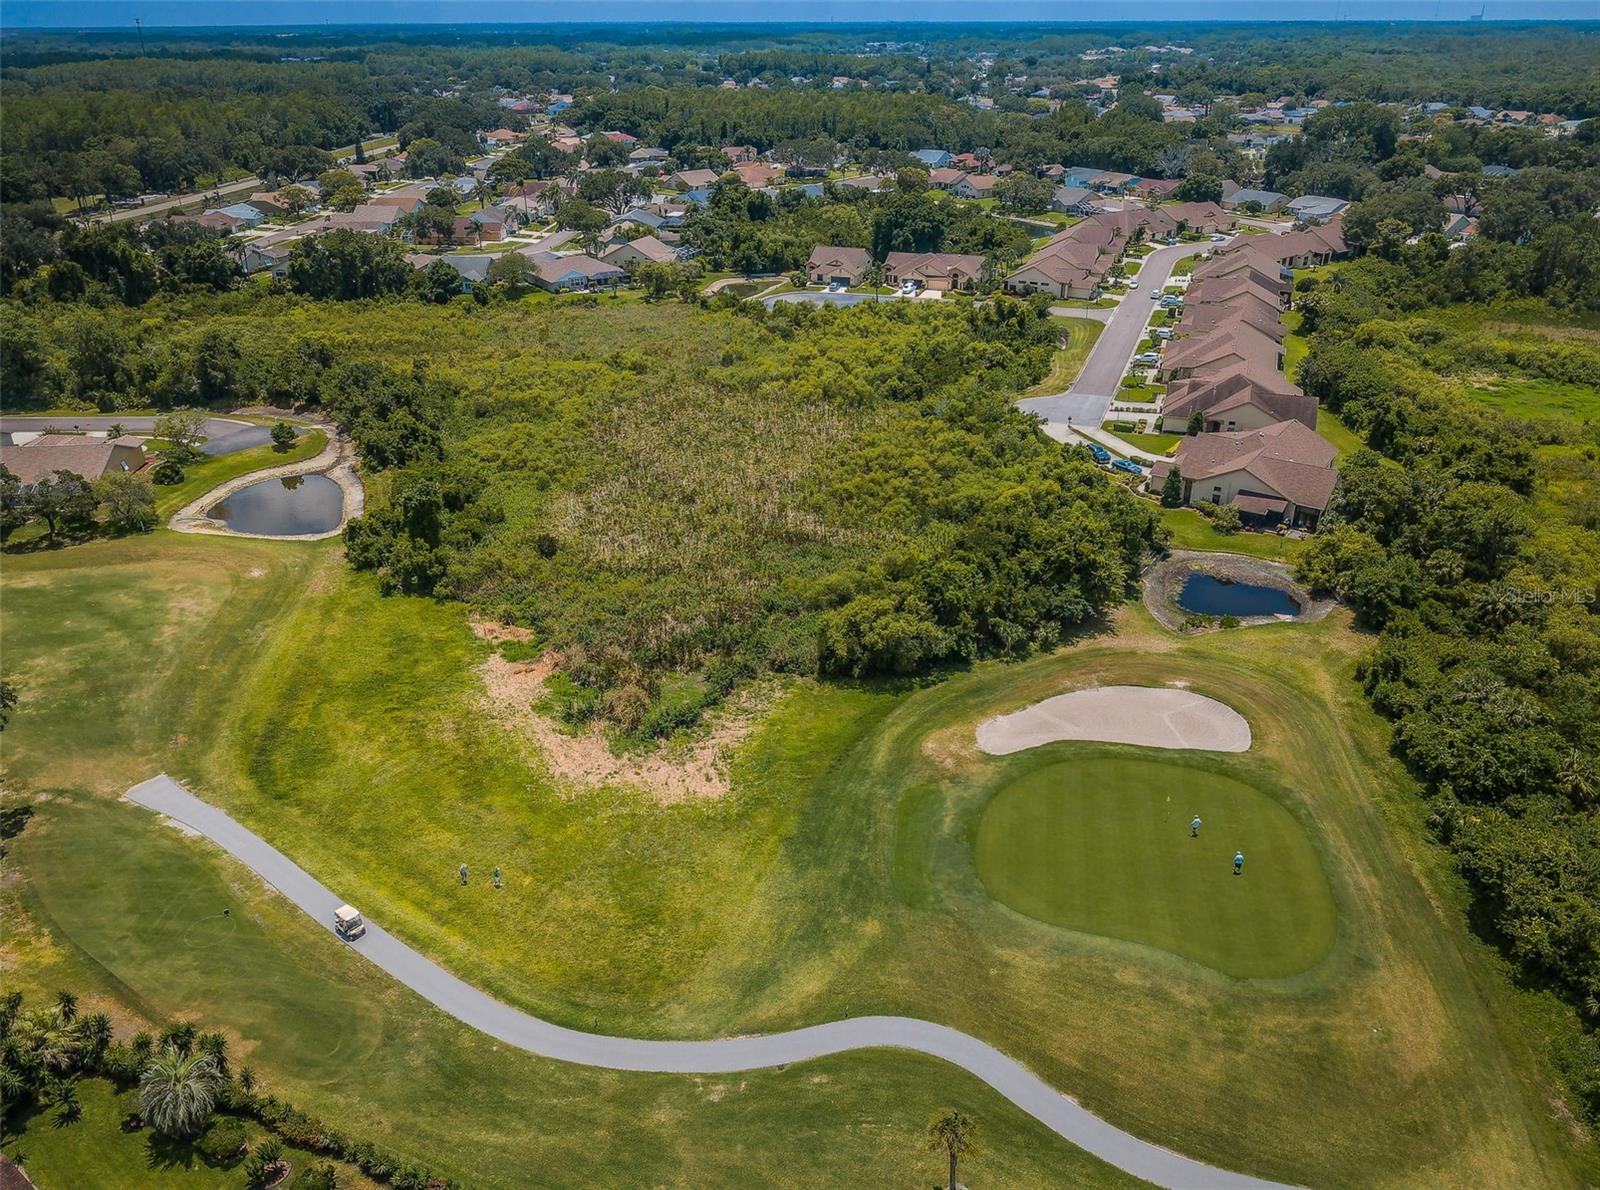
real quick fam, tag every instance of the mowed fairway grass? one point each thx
(838, 877)
(1103, 845)
(163, 927)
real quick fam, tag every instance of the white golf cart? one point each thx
(347, 923)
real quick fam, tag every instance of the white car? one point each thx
(835, 287)
(1218, 239)
(1147, 357)
(909, 289)
(1133, 285)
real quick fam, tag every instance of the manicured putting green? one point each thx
(1102, 846)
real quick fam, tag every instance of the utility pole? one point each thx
(140, 27)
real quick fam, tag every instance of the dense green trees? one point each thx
(1472, 544)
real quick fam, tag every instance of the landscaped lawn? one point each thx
(1191, 531)
(1345, 440)
(837, 877)
(1295, 345)
(1101, 844)
(1157, 444)
(1081, 335)
(95, 1151)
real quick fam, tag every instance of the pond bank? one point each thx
(337, 461)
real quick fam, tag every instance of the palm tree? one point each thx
(66, 1006)
(874, 278)
(215, 1047)
(178, 1091)
(951, 1134)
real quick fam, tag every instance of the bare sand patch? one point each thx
(693, 770)
(492, 630)
(1152, 716)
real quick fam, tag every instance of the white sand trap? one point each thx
(1156, 717)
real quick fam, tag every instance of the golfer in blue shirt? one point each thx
(1238, 863)
(1194, 828)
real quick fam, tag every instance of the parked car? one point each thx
(1147, 357)
(1133, 284)
(1155, 295)
(1100, 453)
(835, 287)
(1127, 467)
(1218, 239)
(909, 289)
(1162, 332)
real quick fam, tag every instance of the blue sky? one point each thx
(80, 14)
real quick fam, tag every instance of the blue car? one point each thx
(1127, 467)
(1100, 453)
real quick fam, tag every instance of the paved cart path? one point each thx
(472, 1007)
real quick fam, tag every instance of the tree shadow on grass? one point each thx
(168, 1152)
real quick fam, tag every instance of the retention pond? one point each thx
(291, 506)
(1207, 595)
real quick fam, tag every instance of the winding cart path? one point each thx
(472, 1007)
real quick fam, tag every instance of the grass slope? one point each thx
(837, 878)
(1080, 336)
(1103, 845)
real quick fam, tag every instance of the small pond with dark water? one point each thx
(285, 507)
(1208, 596)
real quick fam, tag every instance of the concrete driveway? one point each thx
(224, 435)
(474, 1008)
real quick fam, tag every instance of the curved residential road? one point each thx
(472, 1007)
(224, 435)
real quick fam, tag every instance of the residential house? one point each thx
(693, 179)
(940, 271)
(1235, 402)
(756, 174)
(501, 138)
(1316, 208)
(90, 457)
(1111, 181)
(647, 156)
(1079, 175)
(1156, 188)
(243, 214)
(1279, 472)
(559, 273)
(869, 182)
(272, 258)
(829, 264)
(1268, 200)
(622, 138)
(933, 158)
(1201, 216)
(644, 250)
(945, 179)
(473, 268)
(739, 154)
(1238, 346)
(975, 186)
(1074, 200)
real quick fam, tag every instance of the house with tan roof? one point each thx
(945, 179)
(975, 186)
(829, 263)
(1202, 216)
(1236, 401)
(1237, 347)
(90, 457)
(693, 179)
(756, 174)
(644, 250)
(938, 271)
(1282, 472)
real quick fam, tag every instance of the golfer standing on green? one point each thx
(1238, 863)
(1194, 828)
(462, 872)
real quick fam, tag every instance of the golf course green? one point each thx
(1103, 846)
(836, 877)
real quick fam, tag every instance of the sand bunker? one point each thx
(1153, 716)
